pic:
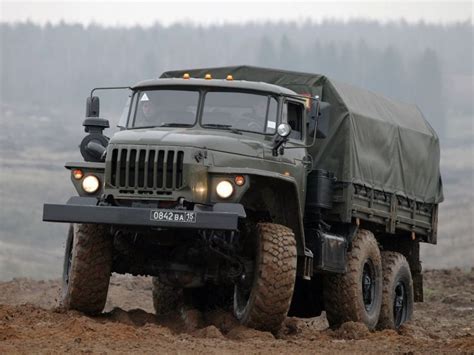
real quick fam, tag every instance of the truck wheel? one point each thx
(263, 303)
(397, 296)
(166, 298)
(357, 294)
(87, 268)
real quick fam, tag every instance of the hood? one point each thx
(217, 140)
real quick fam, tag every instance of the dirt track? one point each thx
(30, 323)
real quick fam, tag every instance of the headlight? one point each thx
(224, 189)
(90, 184)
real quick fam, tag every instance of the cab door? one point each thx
(295, 158)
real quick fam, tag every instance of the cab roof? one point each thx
(215, 83)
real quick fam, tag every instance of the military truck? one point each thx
(266, 191)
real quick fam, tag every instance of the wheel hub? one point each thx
(400, 304)
(368, 285)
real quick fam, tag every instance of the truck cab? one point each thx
(184, 136)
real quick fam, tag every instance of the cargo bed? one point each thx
(394, 214)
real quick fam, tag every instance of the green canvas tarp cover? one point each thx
(372, 141)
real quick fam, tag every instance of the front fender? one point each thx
(278, 196)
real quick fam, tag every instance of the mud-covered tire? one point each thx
(397, 296)
(166, 298)
(344, 297)
(87, 268)
(268, 302)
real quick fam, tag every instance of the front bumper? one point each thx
(221, 216)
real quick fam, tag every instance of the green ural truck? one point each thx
(269, 192)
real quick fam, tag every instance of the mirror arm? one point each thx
(314, 136)
(110, 88)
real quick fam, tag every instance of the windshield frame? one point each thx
(202, 91)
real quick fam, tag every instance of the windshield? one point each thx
(241, 111)
(160, 108)
(230, 110)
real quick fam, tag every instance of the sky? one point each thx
(146, 13)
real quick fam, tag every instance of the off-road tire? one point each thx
(87, 268)
(397, 282)
(343, 293)
(166, 298)
(273, 281)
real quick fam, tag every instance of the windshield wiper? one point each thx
(164, 125)
(227, 127)
(140, 127)
(175, 125)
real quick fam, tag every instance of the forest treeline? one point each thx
(57, 65)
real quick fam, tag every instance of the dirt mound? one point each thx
(209, 332)
(31, 323)
(136, 317)
(351, 331)
(224, 321)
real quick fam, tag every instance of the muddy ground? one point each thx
(30, 322)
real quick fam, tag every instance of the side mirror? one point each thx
(92, 106)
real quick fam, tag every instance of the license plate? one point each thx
(173, 216)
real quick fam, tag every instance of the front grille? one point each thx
(146, 168)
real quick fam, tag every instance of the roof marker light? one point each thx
(229, 77)
(208, 77)
(186, 76)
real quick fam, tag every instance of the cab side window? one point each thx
(293, 112)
